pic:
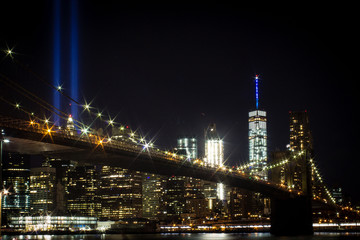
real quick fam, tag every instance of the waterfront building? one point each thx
(62, 168)
(52, 223)
(16, 179)
(196, 205)
(214, 147)
(258, 138)
(238, 207)
(174, 197)
(120, 191)
(153, 187)
(189, 146)
(82, 198)
(213, 192)
(42, 187)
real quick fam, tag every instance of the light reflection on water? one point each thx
(184, 236)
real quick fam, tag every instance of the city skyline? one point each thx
(180, 70)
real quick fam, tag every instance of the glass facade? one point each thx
(258, 143)
(120, 193)
(16, 179)
(300, 134)
(189, 145)
(42, 182)
(44, 223)
(214, 148)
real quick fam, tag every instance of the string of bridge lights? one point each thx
(319, 178)
(287, 161)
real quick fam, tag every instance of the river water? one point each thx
(186, 236)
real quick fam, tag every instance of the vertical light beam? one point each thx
(74, 57)
(56, 56)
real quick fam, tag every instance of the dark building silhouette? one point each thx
(82, 190)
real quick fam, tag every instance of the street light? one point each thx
(2, 192)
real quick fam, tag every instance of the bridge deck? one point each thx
(92, 149)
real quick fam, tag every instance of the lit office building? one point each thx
(257, 138)
(42, 187)
(214, 148)
(196, 205)
(174, 197)
(210, 194)
(188, 145)
(120, 191)
(301, 145)
(153, 187)
(51, 223)
(82, 187)
(62, 169)
(300, 134)
(16, 179)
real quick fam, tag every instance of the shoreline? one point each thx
(95, 232)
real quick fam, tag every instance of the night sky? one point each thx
(171, 70)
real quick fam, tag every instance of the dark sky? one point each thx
(173, 69)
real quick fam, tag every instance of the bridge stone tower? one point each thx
(294, 216)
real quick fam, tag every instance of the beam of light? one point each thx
(56, 58)
(74, 56)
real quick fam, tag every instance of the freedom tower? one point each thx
(257, 138)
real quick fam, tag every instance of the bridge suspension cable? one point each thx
(85, 106)
(320, 179)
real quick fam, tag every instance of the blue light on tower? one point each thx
(74, 83)
(257, 91)
(56, 57)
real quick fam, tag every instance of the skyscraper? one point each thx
(300, 134)
(153, 187)
(257, 137)
(301, 144)
(16, 178)
(42, 187)
(120, 191)
(83, 186)
(214, 147)
(189, 145)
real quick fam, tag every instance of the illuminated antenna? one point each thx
(257, 90)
